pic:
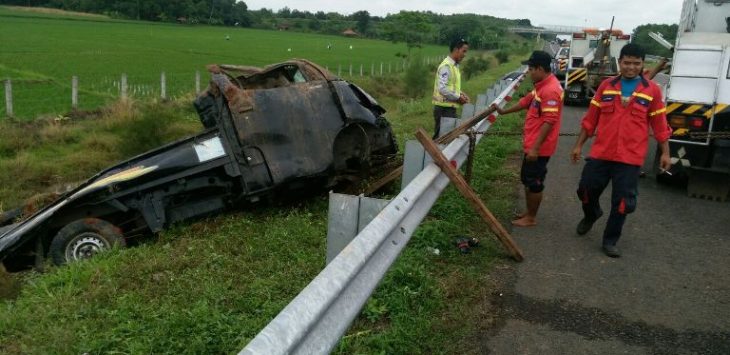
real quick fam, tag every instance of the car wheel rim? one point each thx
(85, 246)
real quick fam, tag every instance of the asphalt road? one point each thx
(668, 294)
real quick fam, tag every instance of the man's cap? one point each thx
(539, 59)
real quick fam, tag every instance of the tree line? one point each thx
(411, 27)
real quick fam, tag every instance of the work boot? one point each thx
(585, 225)
(611, 251)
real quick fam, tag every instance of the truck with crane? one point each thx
(698, 98)
(593, 56)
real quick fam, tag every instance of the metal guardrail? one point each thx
(321, 313)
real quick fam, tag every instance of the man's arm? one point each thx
(502, 111)
(660, 127)
(578, 148)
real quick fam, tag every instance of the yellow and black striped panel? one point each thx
(579, 74)
(696, 109)
(563, 64)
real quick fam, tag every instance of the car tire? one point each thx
(84, 238)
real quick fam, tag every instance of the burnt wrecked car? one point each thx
(283, 127)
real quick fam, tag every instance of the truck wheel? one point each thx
(84, 238)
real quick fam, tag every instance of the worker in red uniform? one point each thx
(542, 126)
(619, 117)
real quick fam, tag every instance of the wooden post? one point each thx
(350, 69)
(197, 81)
(123, 87)
(504, 237)
(163, 86)
(74, 92)
(8, 98)
(361, 69)
(381, 68)
(470, 157)
(372, 69)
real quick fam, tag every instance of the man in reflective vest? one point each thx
(447, 93)
(619, 117)
(542, 126)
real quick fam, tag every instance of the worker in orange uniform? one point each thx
(619, 117)
(544, 107)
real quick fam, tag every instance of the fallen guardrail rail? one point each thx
(315, 320)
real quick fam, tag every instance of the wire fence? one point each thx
(32, 98)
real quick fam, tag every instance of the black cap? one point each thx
(539, 59)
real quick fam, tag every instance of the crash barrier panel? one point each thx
(315, 320)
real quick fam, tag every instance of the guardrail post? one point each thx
(348, 215)
(123, 87)
(163, 86)
(8, 98)
(481, 102)
(197, 81)
(467, 110)
(74, 92)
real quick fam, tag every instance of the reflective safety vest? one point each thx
(453, 85)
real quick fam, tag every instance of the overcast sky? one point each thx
(590, 13)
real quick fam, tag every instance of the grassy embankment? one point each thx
(210, 286)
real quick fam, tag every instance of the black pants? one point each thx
(624, 179)
(532, 174)
(438, 112)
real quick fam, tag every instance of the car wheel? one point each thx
(84, 238)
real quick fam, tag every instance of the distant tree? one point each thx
(641, 37)
(363, 21)
(284, 12)
(411, 28)
(468, 27)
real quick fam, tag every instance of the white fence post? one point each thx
(123, 87)
(74, 92)
(163, 86)
(361, 70)
(8, 98)
(197, 81)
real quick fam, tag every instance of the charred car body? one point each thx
(285, 126)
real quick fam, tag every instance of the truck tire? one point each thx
(84, 238)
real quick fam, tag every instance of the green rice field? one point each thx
(41, 52)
